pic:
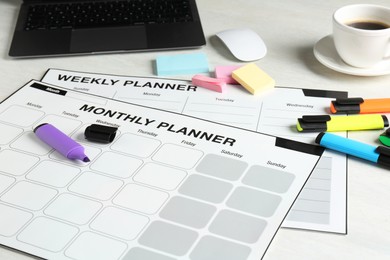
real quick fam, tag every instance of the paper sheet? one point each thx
(321, 205)
(169, 186)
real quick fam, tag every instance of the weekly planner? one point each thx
(322, 204)
(168, 186)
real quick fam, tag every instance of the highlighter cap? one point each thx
(346, 105)
(100, 133)
(384, 155)
(313, 123)
(384, 138)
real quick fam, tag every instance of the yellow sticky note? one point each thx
(253, 79)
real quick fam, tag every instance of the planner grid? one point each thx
(145, 196)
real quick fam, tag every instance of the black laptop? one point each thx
(72, 27)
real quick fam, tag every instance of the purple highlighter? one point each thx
(60, 142)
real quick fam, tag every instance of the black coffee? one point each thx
(369, 25)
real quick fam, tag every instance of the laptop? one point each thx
(75, 27)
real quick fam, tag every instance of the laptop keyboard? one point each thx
(110, 13)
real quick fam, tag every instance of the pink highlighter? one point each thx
(60, 142)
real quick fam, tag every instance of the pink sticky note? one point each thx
(225, 73)
(209, 83)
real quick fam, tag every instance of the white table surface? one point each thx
(290, 29)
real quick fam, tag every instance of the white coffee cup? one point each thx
(359, 45)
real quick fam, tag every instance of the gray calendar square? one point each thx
(264, 205)
(268, 179)
(222, 167)
(205, 188)
(212, 248)
(188, 212)
(238, 226)
(168, 238)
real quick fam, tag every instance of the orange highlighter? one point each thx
(360, 105)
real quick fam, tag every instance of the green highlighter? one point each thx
(385, 137)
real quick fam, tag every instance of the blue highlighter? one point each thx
(379, 154)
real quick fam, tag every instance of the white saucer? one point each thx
(326, 53)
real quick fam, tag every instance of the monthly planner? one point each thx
(168, 186)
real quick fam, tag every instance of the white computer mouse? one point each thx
(245, 44)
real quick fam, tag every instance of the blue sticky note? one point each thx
(182, 64)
